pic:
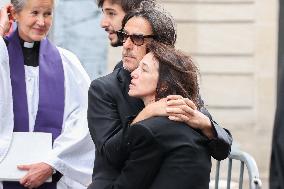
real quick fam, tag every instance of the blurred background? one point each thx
(234, 43)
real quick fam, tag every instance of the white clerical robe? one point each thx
(73, 151)
(6, 102)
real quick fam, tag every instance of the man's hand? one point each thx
(37, 174)
(184, 110)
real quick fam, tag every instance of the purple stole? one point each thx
(50, 113)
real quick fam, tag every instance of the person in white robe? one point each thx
(6, 106)
(73, 151)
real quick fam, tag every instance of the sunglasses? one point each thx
(137, 39)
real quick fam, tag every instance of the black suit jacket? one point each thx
(108, 111)
(176, 153)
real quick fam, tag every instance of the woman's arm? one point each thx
(183, 109)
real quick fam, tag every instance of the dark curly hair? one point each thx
(127, 5)
(162, 23)
(178, 75)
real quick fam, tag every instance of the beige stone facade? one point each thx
(234, 42)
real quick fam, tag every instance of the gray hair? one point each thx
(19, 4)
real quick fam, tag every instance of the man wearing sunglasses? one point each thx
(137, 39)
(109, 103)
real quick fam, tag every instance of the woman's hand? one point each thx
(157, 108)
(6, 19)
(37, 174)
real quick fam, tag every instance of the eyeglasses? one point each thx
(137, 39)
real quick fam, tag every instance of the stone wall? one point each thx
(234, 42)
(76, 28)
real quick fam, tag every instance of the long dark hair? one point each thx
(178, 75)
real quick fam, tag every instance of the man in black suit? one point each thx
(158, 153)
(110, 106)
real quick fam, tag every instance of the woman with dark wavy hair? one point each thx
(159, 153)
(178, 74)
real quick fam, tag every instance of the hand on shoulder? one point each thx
(184, 110)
